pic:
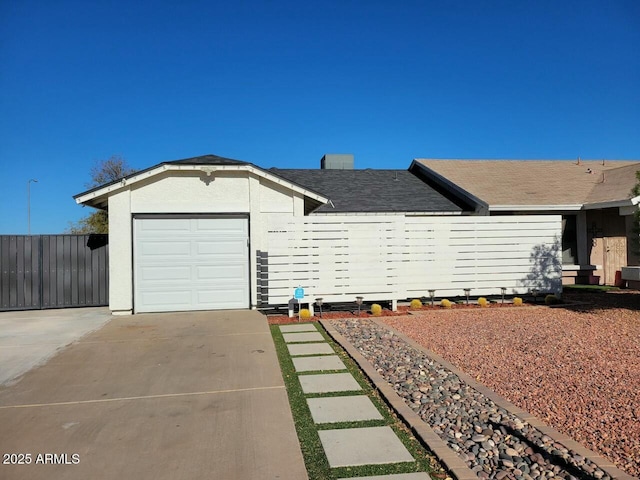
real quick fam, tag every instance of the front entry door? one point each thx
(615, 257)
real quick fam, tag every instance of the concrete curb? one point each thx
(452, 462)
(457, 467)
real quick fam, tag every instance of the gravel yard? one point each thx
(576, 369)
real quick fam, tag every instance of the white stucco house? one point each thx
(209, 233)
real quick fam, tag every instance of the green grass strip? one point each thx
(315, 459)
(588, 288)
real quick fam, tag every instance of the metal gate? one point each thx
(53, 271)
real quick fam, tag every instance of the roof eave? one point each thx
(535, 208)
(629, 202)
(97, 196)
(480, 205)
(394, 213)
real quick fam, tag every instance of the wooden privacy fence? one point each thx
(396, 257)
(53, 271)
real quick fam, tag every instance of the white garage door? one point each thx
(194, 263)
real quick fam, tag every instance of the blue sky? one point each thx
(282, 83)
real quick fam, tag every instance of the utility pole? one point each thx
(29, 204)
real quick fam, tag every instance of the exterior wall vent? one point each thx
(337, 161)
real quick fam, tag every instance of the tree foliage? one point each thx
(103, 172)
(107, 171)
(96, 222)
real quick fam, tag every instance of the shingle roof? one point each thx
(370, 190)
(539, 182)
(207, 160)
(615, 184)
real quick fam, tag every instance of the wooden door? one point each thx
(615, 257)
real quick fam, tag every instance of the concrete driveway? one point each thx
(30, 338)
(175, 396)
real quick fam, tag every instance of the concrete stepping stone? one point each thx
(309, 327)
(298, 349)
(315, 364)
(328, 382)
(395, 476)
(303, 337)
(363, 446)
(343, 409)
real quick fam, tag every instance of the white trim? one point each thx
(575, 268)
(387, 214)
(207, 169)
(535, 208)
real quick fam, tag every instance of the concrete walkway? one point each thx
(344, 447)
(167, 396)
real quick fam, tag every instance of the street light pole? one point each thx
(29, 203)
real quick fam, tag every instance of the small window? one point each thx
(569, 240)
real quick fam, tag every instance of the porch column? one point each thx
(582, 239)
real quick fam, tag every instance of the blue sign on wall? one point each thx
(298, 293)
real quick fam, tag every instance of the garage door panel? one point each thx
(192, 264)
(163, 300)
(223, 248)
(224, 272)
(174, 248)
(173, 225)
(219, 297)
(163, 273)
(222, 226)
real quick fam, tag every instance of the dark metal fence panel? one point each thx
(19, 272)
(53, 271)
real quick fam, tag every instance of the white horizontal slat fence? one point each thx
(395, 257)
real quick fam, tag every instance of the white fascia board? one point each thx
(575, 268)
(387, 214)
(535, 208)
(125, 182)
(208, 169)
(432, 214)
(613, 204)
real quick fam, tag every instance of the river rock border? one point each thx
(475, 432)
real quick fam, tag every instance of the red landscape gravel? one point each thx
(577, 370)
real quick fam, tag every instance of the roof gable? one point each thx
(207, 164)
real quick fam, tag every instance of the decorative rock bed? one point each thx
(494, 443)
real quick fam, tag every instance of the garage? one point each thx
(190, 263)
(191, 234)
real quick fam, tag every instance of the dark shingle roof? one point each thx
(370, 190)
(207, 160)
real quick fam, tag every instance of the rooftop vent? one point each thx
(337, 161)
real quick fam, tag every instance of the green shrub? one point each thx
(551, 300)
(517, 301)
(376, 310)
(305, 314)
(415, 303)
(444, 303)
(483, 302)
